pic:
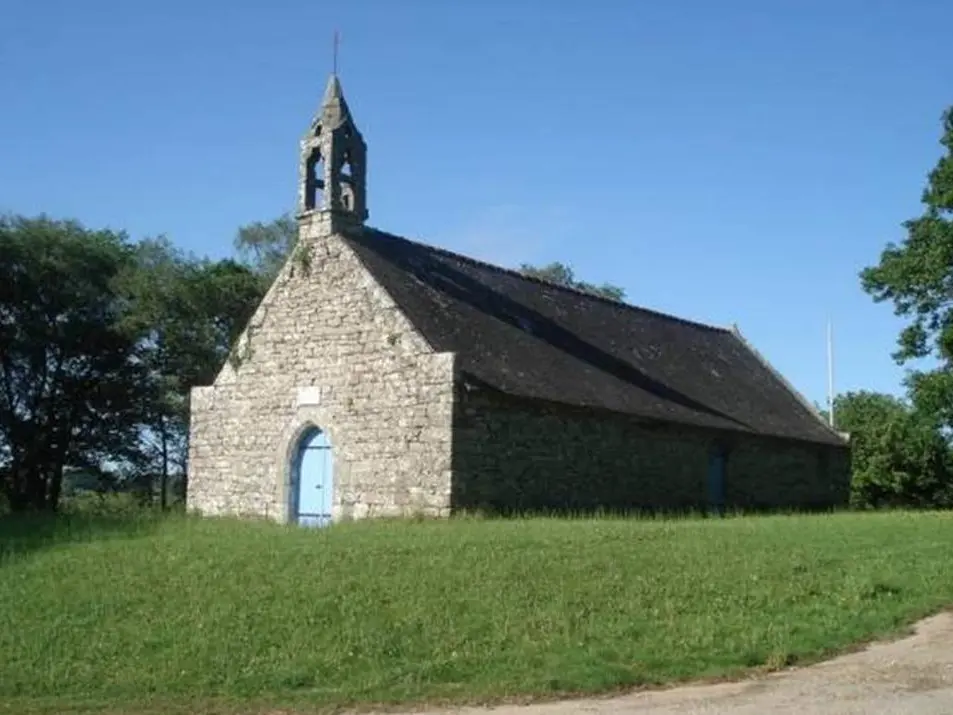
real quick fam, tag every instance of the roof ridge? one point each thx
(540, 281)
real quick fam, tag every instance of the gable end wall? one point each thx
(372, 382)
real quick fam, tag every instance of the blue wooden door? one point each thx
(313, 480)
(716, 480)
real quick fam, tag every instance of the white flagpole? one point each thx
(830, 372)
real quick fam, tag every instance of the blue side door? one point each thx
(314, 488)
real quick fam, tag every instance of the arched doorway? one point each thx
(311, 495)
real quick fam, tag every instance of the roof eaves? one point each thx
(736, 331)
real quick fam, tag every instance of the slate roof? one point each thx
(529, 338)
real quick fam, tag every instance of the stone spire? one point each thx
(333, 166)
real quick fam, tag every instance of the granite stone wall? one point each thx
(512, 454)
(327, 347)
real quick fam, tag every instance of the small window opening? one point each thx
(314, 181)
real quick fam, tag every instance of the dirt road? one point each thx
(913, 675)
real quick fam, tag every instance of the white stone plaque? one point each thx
(310, 395)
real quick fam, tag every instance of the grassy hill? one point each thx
(143, 614)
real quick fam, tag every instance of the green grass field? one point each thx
(178, 615)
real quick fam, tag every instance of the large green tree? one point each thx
(916, 276)
(266, 245)
(186, 313)
(71, 383)
(101, 340)
(900, 457)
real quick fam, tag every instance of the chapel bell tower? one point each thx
(333, 169)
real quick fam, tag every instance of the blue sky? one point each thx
(737, 161)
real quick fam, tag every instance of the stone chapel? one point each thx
(382, 376)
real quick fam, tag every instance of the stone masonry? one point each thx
(327, 347)
(553, 458)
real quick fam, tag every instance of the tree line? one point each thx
(102, 337)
